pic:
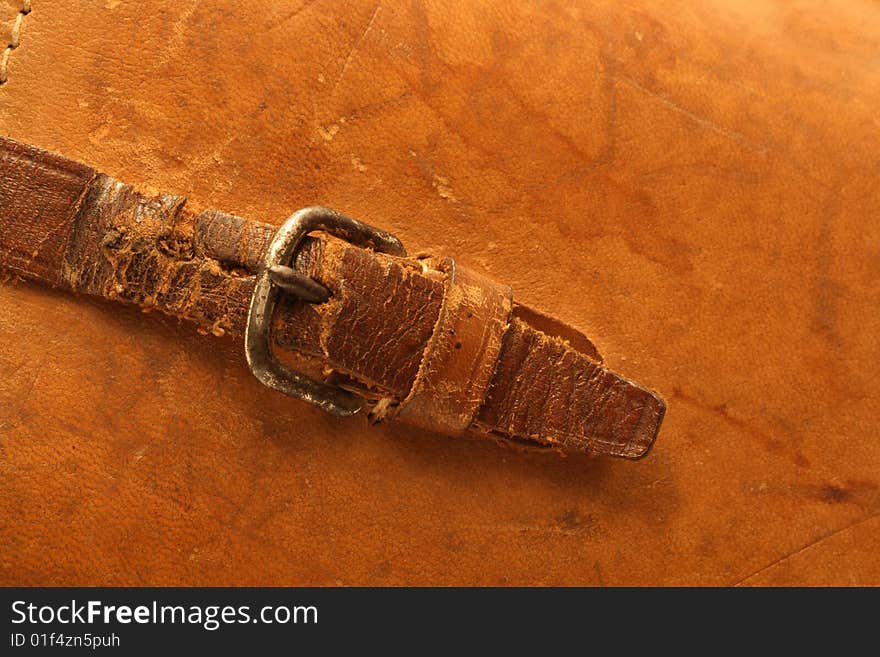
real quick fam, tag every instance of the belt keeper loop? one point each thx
(462, 354)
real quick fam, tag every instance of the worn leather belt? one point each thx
(341, 318)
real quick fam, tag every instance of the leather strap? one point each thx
(421, 339)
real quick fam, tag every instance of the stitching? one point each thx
(14, 38)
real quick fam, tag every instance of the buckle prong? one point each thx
(300, 286)
(276, 275)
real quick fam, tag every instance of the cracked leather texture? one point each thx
(695, 187)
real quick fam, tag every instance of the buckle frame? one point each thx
(268, 288)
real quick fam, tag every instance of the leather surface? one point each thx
(693, 186)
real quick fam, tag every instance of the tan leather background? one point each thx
(694, 185)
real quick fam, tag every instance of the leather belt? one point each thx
(340, 318)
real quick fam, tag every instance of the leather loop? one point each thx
(462, 354)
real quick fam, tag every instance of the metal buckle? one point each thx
(276, 275)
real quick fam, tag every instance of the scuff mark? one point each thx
(441, 184)
(357, 164)
(328, 132)
(14, 39)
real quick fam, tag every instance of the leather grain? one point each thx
(694, 185)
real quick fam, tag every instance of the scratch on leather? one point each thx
(813, 543)
(697, 118)
(14, 39)
(355, 46)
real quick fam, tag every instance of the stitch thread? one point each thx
(14, 38)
